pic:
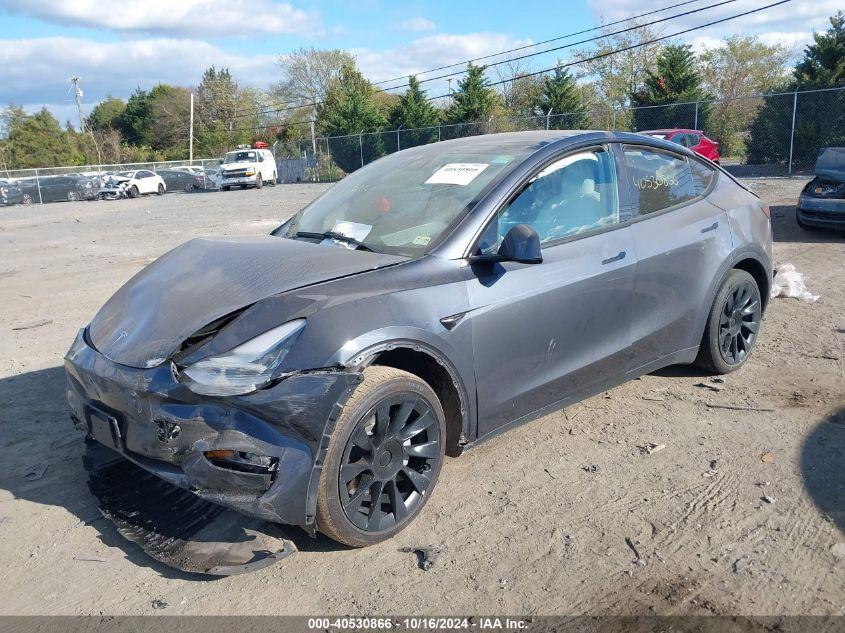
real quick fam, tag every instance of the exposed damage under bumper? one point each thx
(260, 454)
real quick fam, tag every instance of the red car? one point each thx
(694, 139)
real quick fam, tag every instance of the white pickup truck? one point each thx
(248, 167)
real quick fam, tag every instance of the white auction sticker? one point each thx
(456, 173)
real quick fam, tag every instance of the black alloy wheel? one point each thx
(739, 322)
(732, 324)
(383, 460)
(386, 466)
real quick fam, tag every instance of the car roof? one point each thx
(672, 130)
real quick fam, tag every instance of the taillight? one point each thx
(3, 191)
(765, 209)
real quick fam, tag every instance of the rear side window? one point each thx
(702, 175)
(657, 180)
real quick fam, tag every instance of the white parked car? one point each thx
(140, 182)
(248, 168)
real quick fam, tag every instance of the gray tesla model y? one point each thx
(319, 375)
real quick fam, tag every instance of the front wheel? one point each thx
(73, 196)
(26, 199)
(225, 187)
(275, 180)
(732, 324)
(259, 181)
(383, 459)
(160, 190)
(133, 192)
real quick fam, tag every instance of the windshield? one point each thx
(407, 202)
(241, 157)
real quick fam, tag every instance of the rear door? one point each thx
(681, 241)
(544, 332)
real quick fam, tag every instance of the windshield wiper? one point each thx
(334, 235)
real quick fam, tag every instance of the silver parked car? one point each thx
(434, 298)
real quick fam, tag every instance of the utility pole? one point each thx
(78, 92)
(191, 132)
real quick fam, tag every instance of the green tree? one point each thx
(676, 79)
(225, 114)
(348, 109)
(36, 140)
(474, 100)
(819, 116)
(741, 66)
(106, 115)
(561, 97)
(134, 120)
(414, 111)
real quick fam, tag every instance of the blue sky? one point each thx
(117, 45)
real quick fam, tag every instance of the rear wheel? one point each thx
(275, 179)
(732, 324)
(26, 199)
(383, 459)
(73, 196)
(225, 187)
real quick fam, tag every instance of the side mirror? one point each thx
(521, 244)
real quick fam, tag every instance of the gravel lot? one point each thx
(523, 527)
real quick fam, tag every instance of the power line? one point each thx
(549, 41)
(289, 106)
(632, 47)
(616, 51)
(571, 44)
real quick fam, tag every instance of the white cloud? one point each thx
(182, 18)
(430, 52)
(773, 25)
(36, 71)
(418, 25)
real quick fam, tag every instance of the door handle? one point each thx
(615, 258)
(712, 227)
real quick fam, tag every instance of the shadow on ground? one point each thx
(43, 464)
(786, 229)
(822, 459)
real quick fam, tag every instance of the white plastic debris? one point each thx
(789, 282)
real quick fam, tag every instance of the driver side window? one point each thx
(575, 194)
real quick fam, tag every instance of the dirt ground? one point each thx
(526, 525)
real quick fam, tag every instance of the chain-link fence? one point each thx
(774, 134)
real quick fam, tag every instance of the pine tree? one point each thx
(561, 99)
(818, 118)
(676, 80)
(474, 100)
(414, 111)
(348, 109)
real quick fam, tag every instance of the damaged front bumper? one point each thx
(278, 435)
(822, 212)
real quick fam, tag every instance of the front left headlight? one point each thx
(245, 368)
(250, 171)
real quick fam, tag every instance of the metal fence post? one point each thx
(438, 132)
(397, 137)
(792, 132)
(548, 114)
(38, 185)
(695, 125)
(361, 145)
(613, 119)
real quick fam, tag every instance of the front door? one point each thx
(544, 332)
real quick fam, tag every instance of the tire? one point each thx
(133, 192)
(389, 462)
(73, 196)
(160, 190)
(26, 199)
(225, 187)
(275, 180)
(259, 181)
(732, 324)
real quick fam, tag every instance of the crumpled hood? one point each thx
(147, 320)
(831, 163)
